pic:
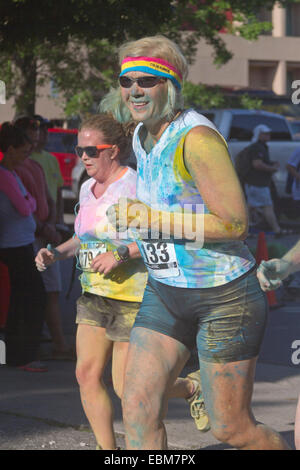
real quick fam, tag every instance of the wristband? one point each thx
(53, 250)
(117, 256)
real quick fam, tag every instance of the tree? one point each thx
(74, 41)
(43, 39)
(207, 97)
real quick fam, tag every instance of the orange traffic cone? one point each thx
(262, 254)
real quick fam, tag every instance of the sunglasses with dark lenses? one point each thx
(91, 151)
(143, 82)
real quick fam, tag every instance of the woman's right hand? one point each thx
(44, 258)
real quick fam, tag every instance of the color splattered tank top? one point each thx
(163, 183)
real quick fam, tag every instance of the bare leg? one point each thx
(270, 217)
(93, 352)
(119, 360)
(227, 390)
(154, 363)
(297, 426)
(182, 388)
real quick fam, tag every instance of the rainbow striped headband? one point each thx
(152, 65)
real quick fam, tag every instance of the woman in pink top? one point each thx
(17, 230)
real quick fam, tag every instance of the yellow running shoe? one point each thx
(197, 405)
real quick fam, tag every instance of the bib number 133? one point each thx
(160, 259)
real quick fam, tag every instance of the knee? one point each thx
(87, 375)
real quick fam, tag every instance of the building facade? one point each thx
(270, 63)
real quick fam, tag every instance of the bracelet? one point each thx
(117, 256)
(53, 250)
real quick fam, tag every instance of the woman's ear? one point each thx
(115, 152)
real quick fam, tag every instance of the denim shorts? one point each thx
(116, 316)
(227, 323)
(258, 196)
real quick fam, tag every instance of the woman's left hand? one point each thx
(130, 213)
(104, 263)
(271, 273)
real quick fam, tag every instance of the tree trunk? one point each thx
(26, 93)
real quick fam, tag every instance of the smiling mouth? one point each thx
(139, 104)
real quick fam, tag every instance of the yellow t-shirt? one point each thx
(52, 171)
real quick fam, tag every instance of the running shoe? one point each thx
(197, 405)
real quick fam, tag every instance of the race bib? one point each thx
(89, 251)
(160, 259)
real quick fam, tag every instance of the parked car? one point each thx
(236, 125)
(61, 143)
(295, 127)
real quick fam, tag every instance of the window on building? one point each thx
(293, 74)
(261, 75)
(265, 15)
(243, 124)
(293, 20)
(53, 89)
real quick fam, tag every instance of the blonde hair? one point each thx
(153, 46)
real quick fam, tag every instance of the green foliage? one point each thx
(74, 41)
(249, 102)
(202, 96)
(80, 103)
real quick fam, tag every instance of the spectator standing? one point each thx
(17, 232)
(293, 168)
(52, 278)
(51, 168)
(259, 176)
(34, 179)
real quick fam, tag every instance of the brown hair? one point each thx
(27, 123)
(114, 132)
(11, 135)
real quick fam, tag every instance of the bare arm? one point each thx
(293, 171)
(59, 207)
(293, 257)
(260, 165)
(208, 162)
(66, 250)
